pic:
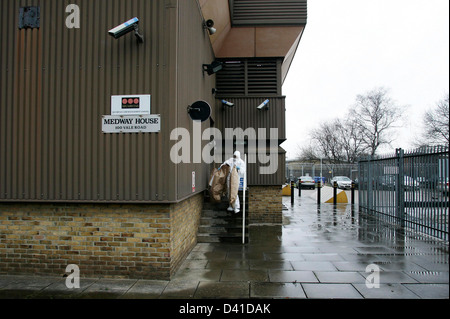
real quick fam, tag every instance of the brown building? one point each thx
(115, 202)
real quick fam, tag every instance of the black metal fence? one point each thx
(409, 189)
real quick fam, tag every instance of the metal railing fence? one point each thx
(409, 189)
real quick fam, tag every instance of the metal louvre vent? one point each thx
(248, 77)
(268, 12)
(231, 80)
(262, 77)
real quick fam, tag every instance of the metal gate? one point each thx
(408, 188)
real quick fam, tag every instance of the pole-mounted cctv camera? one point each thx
(227, 103)
(124, 28)
(264, 105)
(209, 24)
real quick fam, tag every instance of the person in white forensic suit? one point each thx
(237, 162)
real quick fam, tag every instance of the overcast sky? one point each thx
(350, 47)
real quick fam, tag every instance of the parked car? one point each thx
(386, 182)
(306, 182)
(410, 183)
(389, 182)
(442, 186)
(343, 182)
(423, 182)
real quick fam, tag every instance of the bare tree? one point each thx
(307, 153)
(338, 141)
(375, 114)
(327, 140)
(361, 132)
(436, 122)
(351, 139)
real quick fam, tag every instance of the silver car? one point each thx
(343, 182)
(442, 186)
(307, 182)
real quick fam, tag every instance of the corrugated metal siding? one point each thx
(246, 115)
(255, 178)
(56, 84)
(247, 83)
(193, 85)
(268, 12)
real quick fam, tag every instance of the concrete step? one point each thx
(205, 238)
(221, 214)
(220, 230)
(219, 225)
(221, 206)
(215, 213)
(222, 222)
(230, 219)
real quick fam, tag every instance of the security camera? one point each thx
(212, 68)
(209, 24)
(126, 27)
(264, 105)
(227, 103)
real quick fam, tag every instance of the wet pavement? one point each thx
(318, 252)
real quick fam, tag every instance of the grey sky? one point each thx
(350, 47)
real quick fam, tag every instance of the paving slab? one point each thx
(245, 275)
(340, 277)
(430, 276)
(273, 290)
(313, 265)
(292, 276)
(271, 264)
(331, 291)
(222, 290)
(107, 289)
(145, 289)
(386, 291)
(430, 291)
(180, 289)
(394, 277)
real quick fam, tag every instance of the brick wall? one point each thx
(128, 241)
(185, 221)
(265, 204)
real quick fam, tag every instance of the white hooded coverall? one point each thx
(237, 162)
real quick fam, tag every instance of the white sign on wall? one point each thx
(130, 104)
(131, 124)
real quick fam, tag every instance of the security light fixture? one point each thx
(209, 25)
(212, 68)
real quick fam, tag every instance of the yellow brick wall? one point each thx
(185, 221)
(265, 204)
(128, 241)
